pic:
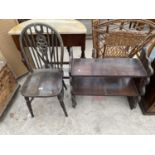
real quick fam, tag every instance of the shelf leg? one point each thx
(73, 101)
(133, 102)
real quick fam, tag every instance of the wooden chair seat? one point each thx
(43, 83)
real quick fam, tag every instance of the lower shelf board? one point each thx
(104, 86)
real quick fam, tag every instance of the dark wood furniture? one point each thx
(147, 103)
(8, 86)
(110, 76)
(44, 59)
(73, 33)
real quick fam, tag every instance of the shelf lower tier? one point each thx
(104, 86)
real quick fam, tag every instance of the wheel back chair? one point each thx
(117, 38)
(43, 51)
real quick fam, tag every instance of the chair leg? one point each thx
(64, 84)
(28, 102)
(60, 98)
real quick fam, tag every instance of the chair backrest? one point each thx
(117, 38)
(42, 47)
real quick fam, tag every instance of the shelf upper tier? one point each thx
(120, 67)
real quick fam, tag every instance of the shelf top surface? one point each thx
(68, 26)
(127, 67)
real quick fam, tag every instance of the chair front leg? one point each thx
(60, 98)
(28, 102)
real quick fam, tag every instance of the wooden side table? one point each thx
(8, 86)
